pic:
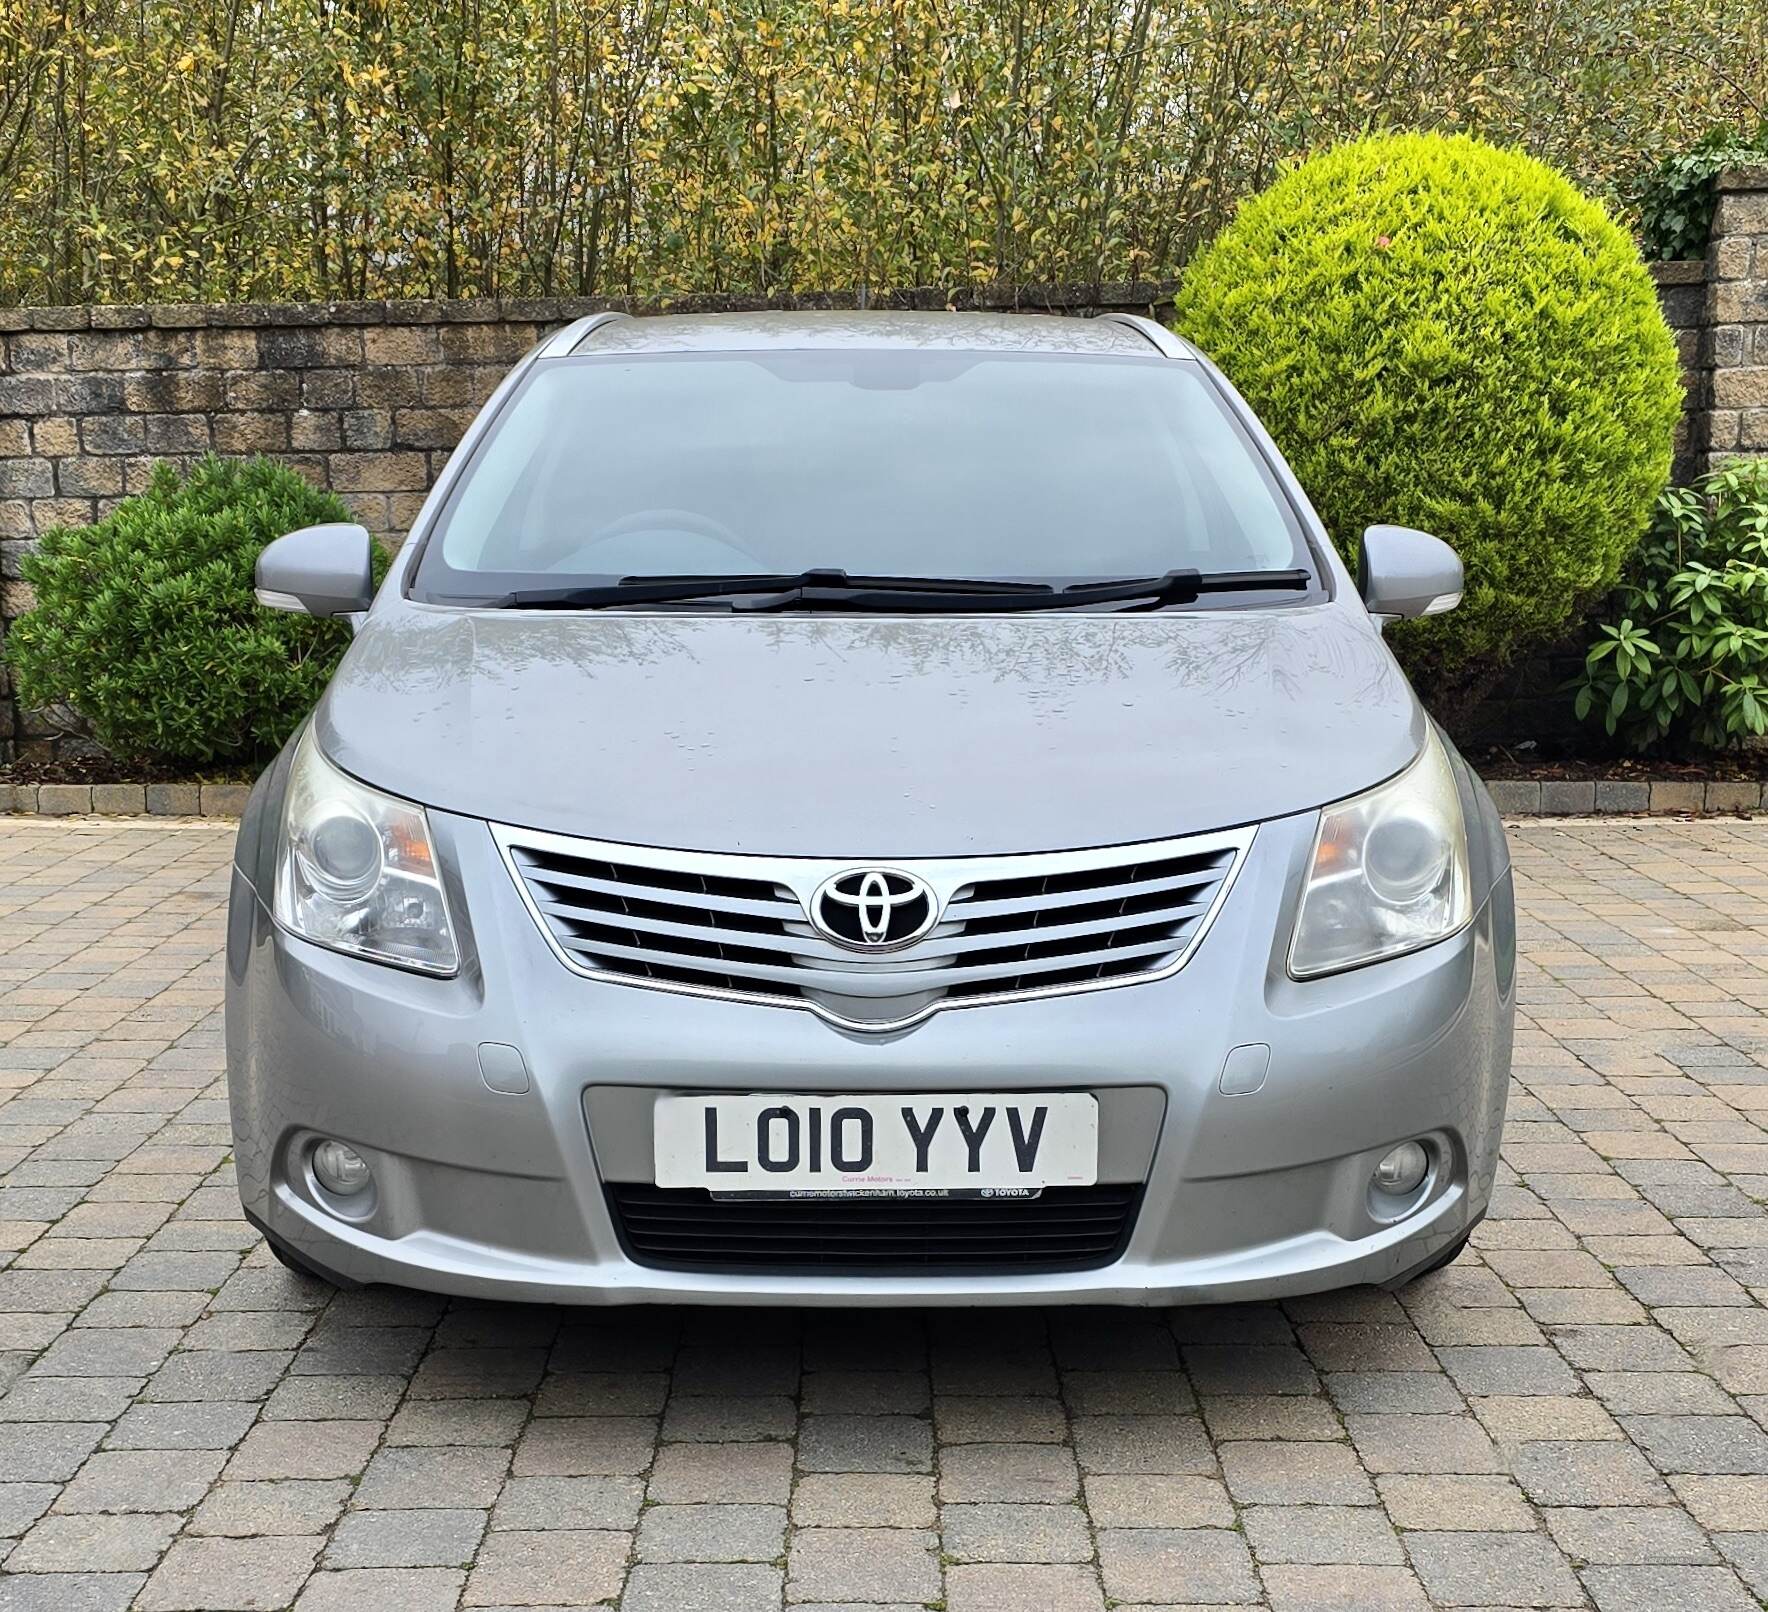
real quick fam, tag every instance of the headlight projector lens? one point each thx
(340, 1169)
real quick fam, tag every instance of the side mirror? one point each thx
(322, 570)
(1402, 572)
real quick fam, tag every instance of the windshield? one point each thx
(1030, 467)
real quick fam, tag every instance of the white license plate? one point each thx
(948, 1142)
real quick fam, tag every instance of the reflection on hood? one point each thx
(867, 737)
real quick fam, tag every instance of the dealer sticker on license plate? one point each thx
(1007, 1142)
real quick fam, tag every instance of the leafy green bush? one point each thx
(1682, 658)
(1676, 203)
(145, 622)
(1450, 336)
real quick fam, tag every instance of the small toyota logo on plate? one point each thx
(873, 909)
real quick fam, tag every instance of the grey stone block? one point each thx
(1669, 795)
(1515, 797)
(1733, 796)
(174, 800)
(119, 800)
(1565, 797)
(64, 800)
(224, 800)
(1620, 795)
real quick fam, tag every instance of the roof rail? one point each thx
(1154, 333)
(573, 336)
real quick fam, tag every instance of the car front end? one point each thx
(868, 959)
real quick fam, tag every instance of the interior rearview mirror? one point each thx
(322, 570)
(1403, 572)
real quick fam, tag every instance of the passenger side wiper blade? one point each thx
(959, 598)
(1182, 587)
(637, 590)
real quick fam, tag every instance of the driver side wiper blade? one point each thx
(637, 590)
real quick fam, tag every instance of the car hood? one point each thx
(848, 736)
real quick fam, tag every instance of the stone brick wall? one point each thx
(1737, 317)
(1682, 293)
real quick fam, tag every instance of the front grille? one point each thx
(687, 1229)
(739, 925)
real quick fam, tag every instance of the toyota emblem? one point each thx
(873, 909)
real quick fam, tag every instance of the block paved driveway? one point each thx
(1575, 1416)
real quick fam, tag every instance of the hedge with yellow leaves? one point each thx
(217, 150)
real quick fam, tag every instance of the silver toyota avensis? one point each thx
(868, 809)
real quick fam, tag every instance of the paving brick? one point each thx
(437, 1538)
(1295, 1474)
(1007, 1472)
(682, 1587)
(404, 1589)
(1631, 1535)
(712, 1534)
(1321, 1535)
(1502, 1569)
(722, 1473)
(862, 1564)
(1201, 1565)
(560, 1567)
(95, 1544)
(290, 1506)
(1016, 1533)
(1399, 1443)
(306, 1450)
(1343, 1589)
(863, 1500)
(1668, 1589)
(529, 1503)
(1022, 1588)
(1437, 1501)
(444, 1477)
(222, 1575)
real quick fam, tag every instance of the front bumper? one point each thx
(502, 1193)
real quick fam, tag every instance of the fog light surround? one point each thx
(340, 1169)
(1402, 1170)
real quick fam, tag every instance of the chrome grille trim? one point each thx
(735, 927)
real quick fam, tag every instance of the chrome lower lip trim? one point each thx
(803, 875)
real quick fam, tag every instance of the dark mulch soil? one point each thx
(108, 770)
(1500, 761)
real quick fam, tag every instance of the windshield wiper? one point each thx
(637, 590)
(958, 598)
(907, 594)
(1183, 587)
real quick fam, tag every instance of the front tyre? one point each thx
(1435, 1263)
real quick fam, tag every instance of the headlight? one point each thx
(1388, 873)
(356, 872)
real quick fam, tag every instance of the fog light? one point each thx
(1402, 1168)
(340, 1169)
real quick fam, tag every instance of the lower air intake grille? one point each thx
(686, 1229)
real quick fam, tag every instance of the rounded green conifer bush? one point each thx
(1447, 335)
(145, 623)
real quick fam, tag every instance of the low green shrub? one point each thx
(1680, 659)
(145, 623)
(1447, 335)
